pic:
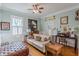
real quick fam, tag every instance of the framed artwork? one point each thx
(32, 24)
(5, 25)
(77, 15)
(64, 28)
(64, 20)
(0, 25)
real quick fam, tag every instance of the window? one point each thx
(17, 25)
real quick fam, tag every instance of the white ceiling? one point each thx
(48, 7)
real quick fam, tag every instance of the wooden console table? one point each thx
(55, 49)
(73, 38)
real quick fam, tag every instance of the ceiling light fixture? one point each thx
(36, 8)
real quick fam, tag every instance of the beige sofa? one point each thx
(39, 44)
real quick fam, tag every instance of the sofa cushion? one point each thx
(39, 43)
(35, 42)
(41, 37)
(44, 38)
(38, 38)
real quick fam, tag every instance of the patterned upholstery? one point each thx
(11, 48)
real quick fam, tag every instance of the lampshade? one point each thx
(35, 11)
(28, 30)
(50, 32)
(72, 29)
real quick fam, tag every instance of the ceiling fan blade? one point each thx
(29, 9)
(41, 8)
(36, 8)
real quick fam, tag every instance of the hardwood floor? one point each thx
(66, 51)
(69, 51)
(34, 52)
(78, 52)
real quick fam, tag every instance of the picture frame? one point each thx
(0, 25)
(5, 25)
(77, 15)
(64, 20)
(64, 28)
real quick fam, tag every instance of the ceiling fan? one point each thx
(36, 8)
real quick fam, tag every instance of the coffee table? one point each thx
(54, 49)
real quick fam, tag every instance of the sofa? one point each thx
(39, 41)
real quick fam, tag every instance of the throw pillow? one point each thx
(38, 38)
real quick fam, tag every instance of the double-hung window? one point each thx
(17, 25)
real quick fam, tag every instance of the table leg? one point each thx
(56, 39)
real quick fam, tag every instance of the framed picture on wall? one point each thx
(64, 20)
(5, 26)
(0, 25)
(32, 24)
(64, 28)
(77, 15)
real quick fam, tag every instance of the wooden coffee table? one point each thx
(55, 49)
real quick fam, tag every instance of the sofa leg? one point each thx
(46, 53)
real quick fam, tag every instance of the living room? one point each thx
(47, 28)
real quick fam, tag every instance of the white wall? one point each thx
(0, 30)
(7, 36)
(46, 25)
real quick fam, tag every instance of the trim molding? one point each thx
(65, 10)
